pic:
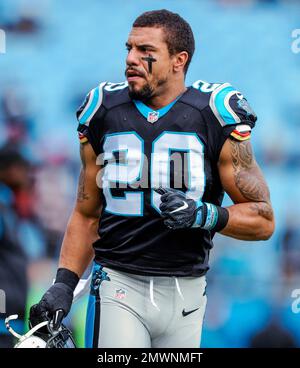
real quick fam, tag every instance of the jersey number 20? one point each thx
(131, 146)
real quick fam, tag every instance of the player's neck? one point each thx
(165, 98)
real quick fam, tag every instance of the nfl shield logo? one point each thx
(153, 116)
(120, 294)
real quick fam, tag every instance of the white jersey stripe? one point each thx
(212, 102)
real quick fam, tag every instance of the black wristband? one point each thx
(214, 218)
(223, 217)
(67, 277)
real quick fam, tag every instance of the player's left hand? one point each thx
(178, 210)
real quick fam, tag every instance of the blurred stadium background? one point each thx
(57, 51)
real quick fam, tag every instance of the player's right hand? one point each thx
(178, 210)
(54, 305)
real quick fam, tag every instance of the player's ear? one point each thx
(180, 59)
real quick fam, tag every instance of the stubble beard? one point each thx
(147, 92)
(143, 94)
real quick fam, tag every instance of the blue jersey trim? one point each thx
(145, 110)
(89, 324)
(90, 110)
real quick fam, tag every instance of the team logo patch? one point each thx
(244, 105)
(153, 116)
(120, 294)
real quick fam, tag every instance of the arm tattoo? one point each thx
(82, 156)
(242, 156)
(81, 194)
(263, 209)
(249, 180)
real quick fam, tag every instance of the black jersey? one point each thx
(136, 146)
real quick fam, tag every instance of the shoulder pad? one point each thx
(105, 94)
(205, 87)
(115, 94)
(199, 94)
(90, 105)
(230, 107)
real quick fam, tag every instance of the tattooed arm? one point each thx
(81, 232)
(251, 216)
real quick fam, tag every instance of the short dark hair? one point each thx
(179, 34)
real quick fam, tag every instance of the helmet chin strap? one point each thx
(29, 333)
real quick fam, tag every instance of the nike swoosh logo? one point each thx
(185, 205)
(184, 313)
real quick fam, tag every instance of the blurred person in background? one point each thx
(15, 182)
(54, 179)
(19, 17)
(273, 335)
(290, 251)
(17, 123)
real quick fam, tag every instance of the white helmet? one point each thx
(40, 337)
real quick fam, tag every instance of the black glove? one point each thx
(181, 212)
(178, 210)
(54, 305)
(57, 301)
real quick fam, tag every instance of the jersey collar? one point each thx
(153, 115)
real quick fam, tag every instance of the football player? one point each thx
(157, 157)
